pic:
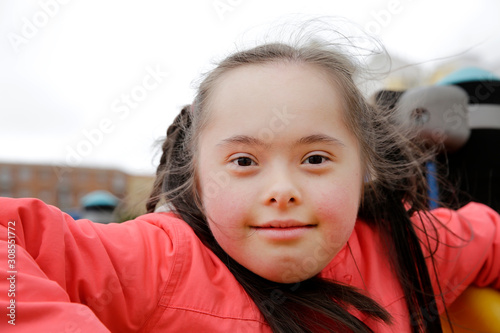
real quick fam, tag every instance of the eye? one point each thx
(315, 159)
(243, 161)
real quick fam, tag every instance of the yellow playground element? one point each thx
(476, 310)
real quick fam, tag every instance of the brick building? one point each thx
(65, 186)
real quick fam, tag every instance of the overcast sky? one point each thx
(95, 83)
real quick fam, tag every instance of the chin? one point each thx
(286, 276)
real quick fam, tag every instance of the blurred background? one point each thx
(88, 87)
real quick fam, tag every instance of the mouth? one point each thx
(284, 230)
(284, 224)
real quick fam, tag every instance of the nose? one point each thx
(281, 189)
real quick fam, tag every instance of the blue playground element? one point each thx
(433, 185)
(99, 198)
(468, 74)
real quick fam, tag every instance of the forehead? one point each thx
(281, 81)
(259, 93)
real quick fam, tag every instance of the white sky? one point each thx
(65, 65)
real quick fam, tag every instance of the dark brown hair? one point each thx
(395, 189)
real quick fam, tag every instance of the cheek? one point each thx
(337, 201)
(223, 209)
(223, 204)
(226, 214)
(223, 198)
(337, 207)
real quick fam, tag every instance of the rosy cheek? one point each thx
(223, 208)
(332, 201)
(338, 209)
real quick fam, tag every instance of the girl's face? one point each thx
(280, 174)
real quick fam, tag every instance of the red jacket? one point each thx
(153, 274)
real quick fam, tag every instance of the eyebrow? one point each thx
(307, 140)
(320, 138)
(242, 140)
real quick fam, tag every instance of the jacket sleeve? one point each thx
(76, 276)
(466, 246)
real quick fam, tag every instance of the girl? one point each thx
(296, 207)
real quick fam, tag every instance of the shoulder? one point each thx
(198, 284)
(362, 263)
(465, 247)
(166, 222)
(466, 226)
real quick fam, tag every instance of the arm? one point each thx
(77, 276)
(467, 250)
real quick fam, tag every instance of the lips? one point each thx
(283, 231)
(284, 224)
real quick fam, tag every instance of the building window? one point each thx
(47, 197)
(119, 183)
(44, 174)
(64, 198)
(5, 175)
(63, 175)
(24, 173)
(5, 182)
